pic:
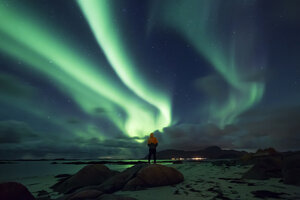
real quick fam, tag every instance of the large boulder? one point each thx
(94, 174)
(291, 169)
(118, 181)
(137, 177)
(266, 152)
(114, 197)
(153, 176)
(14, 191)
(265, 168)
(86, 194)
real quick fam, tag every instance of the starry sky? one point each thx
(92, 79)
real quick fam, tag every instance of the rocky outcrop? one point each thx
(137, 177)
(260, 154)
(266, 152)
(153, 176)
(269, 163)
(115, 197)
(86, 194)
(87, 176)
(291, 169)
(14, 191)
(118, 181)
(265, 168)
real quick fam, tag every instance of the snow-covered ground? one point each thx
(208, 181)
(203, 180)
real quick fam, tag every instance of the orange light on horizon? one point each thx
(198, 158)
(194, 158)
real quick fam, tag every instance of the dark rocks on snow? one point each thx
(118, 181)
(153, 176)
(137, 177)
(291, 169)
(264, 168)
(275, 165)
(115, 197)
(263, 194)
(63, 176)
(14, 191)
(43, 195)
(89, 175)
(86, 194)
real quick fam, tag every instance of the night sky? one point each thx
(93, 78)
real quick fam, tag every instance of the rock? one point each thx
(115, 197)
(43, 195)
(153, 176)
(246, 158)
(89, 175)
(14, 191)
(291, 169)
(264, 168)
(134, 178)
(265, 194)
(86, 194)
(260, 154)
(266, 152)
(118, 181)
(63, 176)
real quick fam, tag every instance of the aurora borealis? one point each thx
(91, 78)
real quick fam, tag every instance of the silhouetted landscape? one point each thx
(149, 99)
(224, 174)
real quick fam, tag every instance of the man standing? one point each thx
(152, 144)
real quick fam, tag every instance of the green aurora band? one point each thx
(26, 38)
(100, 19)
(193, 20)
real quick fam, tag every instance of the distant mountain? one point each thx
(212, 152)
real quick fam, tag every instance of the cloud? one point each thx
(261, 128)
(74, 150)
(18, 141)
(277, 127)
(193, 136)
(15, 132)
(258, 128)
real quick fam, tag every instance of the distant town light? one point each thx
(194, 158)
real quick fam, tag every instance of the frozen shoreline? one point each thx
(208, 181)
(202, 180)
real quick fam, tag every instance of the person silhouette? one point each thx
(152, 144)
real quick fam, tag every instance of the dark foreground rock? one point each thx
(86, 194)
(274, 165)
(260, 154)
(118, 181)
(87, 176)
(291, 169)
(153, 176)
(265, 194)
(14, 191)
(43, 195)
(265, 168)
(115, 197)
(137, 177)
